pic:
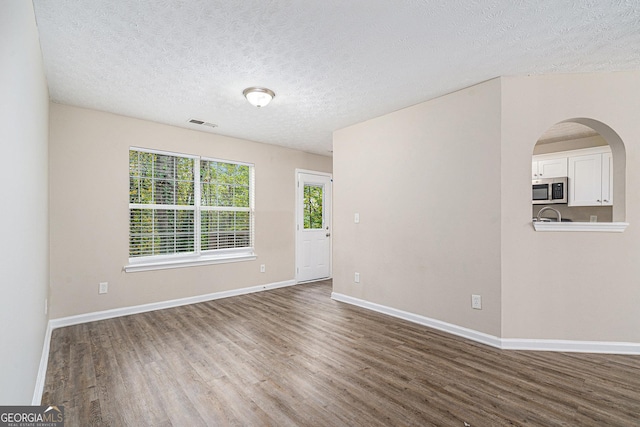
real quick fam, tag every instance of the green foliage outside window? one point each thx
(163, 209)
(156, 179)
(313, 198)
(225, 185)
(160, 179)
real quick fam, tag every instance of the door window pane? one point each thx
(313, 211)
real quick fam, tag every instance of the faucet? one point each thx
(549, 208)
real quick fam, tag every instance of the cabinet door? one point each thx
(534, 169)
(585, 180)
(554, 168)
(607, 179)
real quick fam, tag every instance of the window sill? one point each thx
(165, 264)
(606, 227)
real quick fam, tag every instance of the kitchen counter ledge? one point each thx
(606, 227)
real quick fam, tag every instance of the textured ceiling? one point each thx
(331, 63)
(565, 131)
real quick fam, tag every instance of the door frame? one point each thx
(297, 225)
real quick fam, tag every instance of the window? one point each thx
(313, 198)
(188, 210)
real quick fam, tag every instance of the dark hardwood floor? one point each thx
(294, 357)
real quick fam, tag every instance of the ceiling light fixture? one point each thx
(258, 96)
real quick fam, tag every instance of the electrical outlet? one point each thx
(263, 268)
(356, 218)
(476, 302)
(356, 278)
(593, 218)
(104, 288)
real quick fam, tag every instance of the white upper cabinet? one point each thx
(590, 180)
(542, 167)
(590, 173)
(585, 180)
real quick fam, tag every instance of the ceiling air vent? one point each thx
(203, 123)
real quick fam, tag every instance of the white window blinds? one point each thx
(187, 205)
(225, 207)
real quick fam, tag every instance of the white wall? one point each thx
(89, 212)
(24, 252)
(426, 183)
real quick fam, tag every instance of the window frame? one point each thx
(198, 257)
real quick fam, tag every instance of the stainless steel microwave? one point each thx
(549, 190)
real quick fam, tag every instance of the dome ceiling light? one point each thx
(258, 96)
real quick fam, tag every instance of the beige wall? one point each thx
(426, 183)
(578, 286)
(89, 211)
(24, 253)
(430, 234)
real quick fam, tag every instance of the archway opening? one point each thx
(591, 156)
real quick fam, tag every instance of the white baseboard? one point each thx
(571, 346)
(125, 311)
(42, 369)
(501, 343)
(422, 320)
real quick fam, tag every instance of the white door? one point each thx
(313, 226)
